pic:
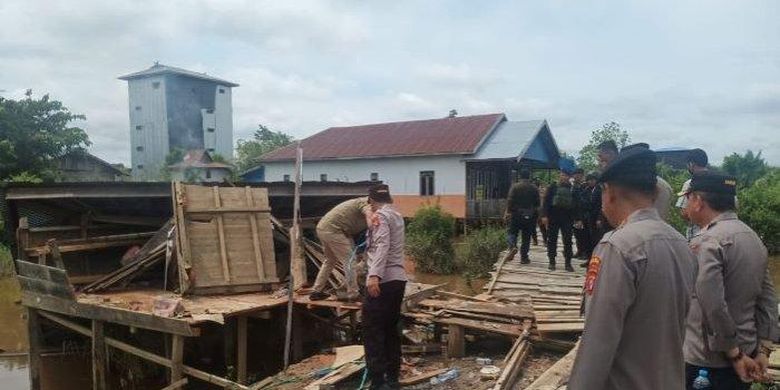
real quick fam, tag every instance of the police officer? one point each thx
(522, 209)
(733, 314)
(637, 288)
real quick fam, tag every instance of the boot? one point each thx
(568, 266)
(525, 260)
(551, 267)
(318, 296)
(510, 254)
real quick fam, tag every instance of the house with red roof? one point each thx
(198, 166)
(464, 164)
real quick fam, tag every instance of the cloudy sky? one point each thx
(674, 73)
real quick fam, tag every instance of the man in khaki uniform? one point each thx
(637, 289)
(336, 231)
(733, 317)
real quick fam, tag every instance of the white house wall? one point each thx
(402, 174)
(223, 112)
(153, 135)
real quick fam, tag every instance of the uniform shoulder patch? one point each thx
(593, 271)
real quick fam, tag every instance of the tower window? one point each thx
(139, 127)
(210, 129)
(140, 166)
(222, 90)
(374, 176)
(156, 85)
(139, 148)
(210, 150)
(210, 111)
(324, 177)
(138, 108)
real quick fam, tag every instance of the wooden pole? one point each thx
(294, 248)
(456, 341)
(241, 347)
(98, 356)
(177, 358)
(34, 338)
(22, 238)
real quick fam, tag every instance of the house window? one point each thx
(211, 150)
(208, 174)
(139, 127)
(139, 148)
(210, 129)
(324, 177)
(222, 90)
(426, 183)
(286, 177)
(156, 85)
(140, 166)
(138, 108)
(374, 176)
(210, 111)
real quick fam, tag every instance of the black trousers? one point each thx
(582, 240)
(724, 378)
(564, 227)
(381, 335)
(521, 224)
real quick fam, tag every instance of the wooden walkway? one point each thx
(555, 295)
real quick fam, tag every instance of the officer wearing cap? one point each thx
(637, 289)
(733, 315)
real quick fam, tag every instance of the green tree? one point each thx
(747, 168)
(588, 157)
(176, 155)
(264, 140)
(34, 133)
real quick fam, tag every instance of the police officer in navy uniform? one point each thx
(637, 288)
(733, 317)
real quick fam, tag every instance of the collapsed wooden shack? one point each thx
(143, 268)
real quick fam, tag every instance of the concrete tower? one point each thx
(173, 108)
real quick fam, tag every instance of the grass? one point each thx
(6, 261)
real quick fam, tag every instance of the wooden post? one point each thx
(456, 341)
(296, 269)
(84, 225)
(221, 233)
(230, 352)
(54, 249)
(35, 341)
(255, 240)
(99, 366)
(177, 357)
(22, 238)
(241, 332)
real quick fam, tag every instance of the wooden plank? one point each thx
(460, 296)
(183, 245)
(495, 276)
(54, 249)
(45, 287)
(116, 315)
(224, 210)
(69, 248)
(424, 377)
(35, 345)
(221, 233)
(296, 270)
(255, 240)
(177, 358)
(570, 327)
(514, 360)
(557, 374)
(494, 308)
(43, 272)
(456, 341)
(99, 362)
(241, 345)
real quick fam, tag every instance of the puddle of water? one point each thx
(455, 283)
(13, 373)
(13, 337)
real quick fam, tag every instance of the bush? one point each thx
(676, 178)
(481, 249)
(6, 261)
(429, 240)
(759, 207)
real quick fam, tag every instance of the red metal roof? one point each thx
(459, 135)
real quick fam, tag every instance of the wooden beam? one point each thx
(177, 358)
(22, 238)
(222, 210)
(176, 385)
(221, 233)
(241, 339)
(99, 363)
(183, 247)
(255, 240)
(115, 315)
(456, 342)
(35, 341)
(56, 256)
(122, 346)
(295, 269)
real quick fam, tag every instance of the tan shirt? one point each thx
(347, 218)
(636, 298)
(734, 302)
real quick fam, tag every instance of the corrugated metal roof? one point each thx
(509, 140)
(158, 69)
(459, 135)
